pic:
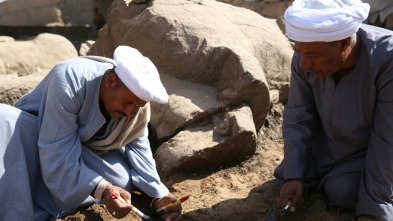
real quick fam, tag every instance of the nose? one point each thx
(129, 110)
(305, 64)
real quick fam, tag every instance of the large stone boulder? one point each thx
(213, 58)
(42, 52)
(49, 12)
(23, 64)
(231, 138)
(381, 11)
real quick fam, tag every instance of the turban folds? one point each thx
(139, 74)
(324, 20)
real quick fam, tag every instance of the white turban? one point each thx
(324, 20)
(139, 74)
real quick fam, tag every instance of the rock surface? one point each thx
(230, 139)
(211, 64)
(23, 64)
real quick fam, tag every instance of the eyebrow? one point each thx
(130, 102)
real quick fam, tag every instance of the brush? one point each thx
(179, 201)
(137, 211)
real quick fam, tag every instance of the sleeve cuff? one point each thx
(100, 189)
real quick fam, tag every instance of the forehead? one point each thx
(312, 47)
(129, 96)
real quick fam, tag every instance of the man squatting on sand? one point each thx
(338, 122)
(82, 133)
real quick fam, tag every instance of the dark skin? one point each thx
(116, 101)
(322, 59)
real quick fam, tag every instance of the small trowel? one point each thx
(272, 213)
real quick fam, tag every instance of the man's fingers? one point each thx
(283, 202)
(172, 216)
(172, 209)
(126, 196)
(296, 198)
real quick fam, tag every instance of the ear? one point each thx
(111, 81)
(345, 43)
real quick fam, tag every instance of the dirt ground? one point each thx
(237, 193)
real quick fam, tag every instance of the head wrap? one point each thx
(139, 74)
(324, 20)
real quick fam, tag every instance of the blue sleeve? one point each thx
(299, 120)
(143, 168)
(375, 192)
(63, 171)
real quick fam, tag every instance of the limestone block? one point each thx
(85, 47)
(6, 39)
(23, 64)
(188, 103)
(35, 54)
(282, 88)
(274, 96)
(12, 87)
(197, 41)
(274, 10)
(230, 139)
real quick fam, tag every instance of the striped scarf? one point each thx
(122, 132)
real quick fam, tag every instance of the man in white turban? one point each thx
(80, 135)
(338, 121)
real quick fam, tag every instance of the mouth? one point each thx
(121, 114)
(315, 72)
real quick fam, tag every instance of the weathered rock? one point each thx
(209, 63)
(188, 103)
(283, 89)
(13, 87)
(274, 96)
(228, 140)
(204, 45)
(6, 39)
(85, 47)
(379, 9)
(50, 12)
(274, 10)
(35, 54)
(23, 64)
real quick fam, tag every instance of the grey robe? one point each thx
(57, 175)
(325, 125)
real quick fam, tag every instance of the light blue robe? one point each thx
(48, 180)
(346, 129)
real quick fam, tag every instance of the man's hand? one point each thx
(172, 213)
(115, 205)
(292, 192)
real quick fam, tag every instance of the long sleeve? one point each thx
(375, 193)
(69, 180)
(300, 117)
(143, 168)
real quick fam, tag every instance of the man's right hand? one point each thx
(115, 205)
(291, 192)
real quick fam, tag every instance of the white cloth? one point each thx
(324, 20)
(139, 74)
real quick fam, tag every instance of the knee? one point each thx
(342, 190)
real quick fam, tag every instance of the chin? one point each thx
(319, 75)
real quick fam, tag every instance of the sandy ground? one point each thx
(238, 193)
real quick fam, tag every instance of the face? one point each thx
(321, 59)
(117, 99)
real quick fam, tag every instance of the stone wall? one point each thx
(50, 12)
(267, 8)
(76, 34)
(381, 13)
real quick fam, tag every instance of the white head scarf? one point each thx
(324, 20)
(139, 74)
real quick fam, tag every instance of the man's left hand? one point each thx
(172, 213)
